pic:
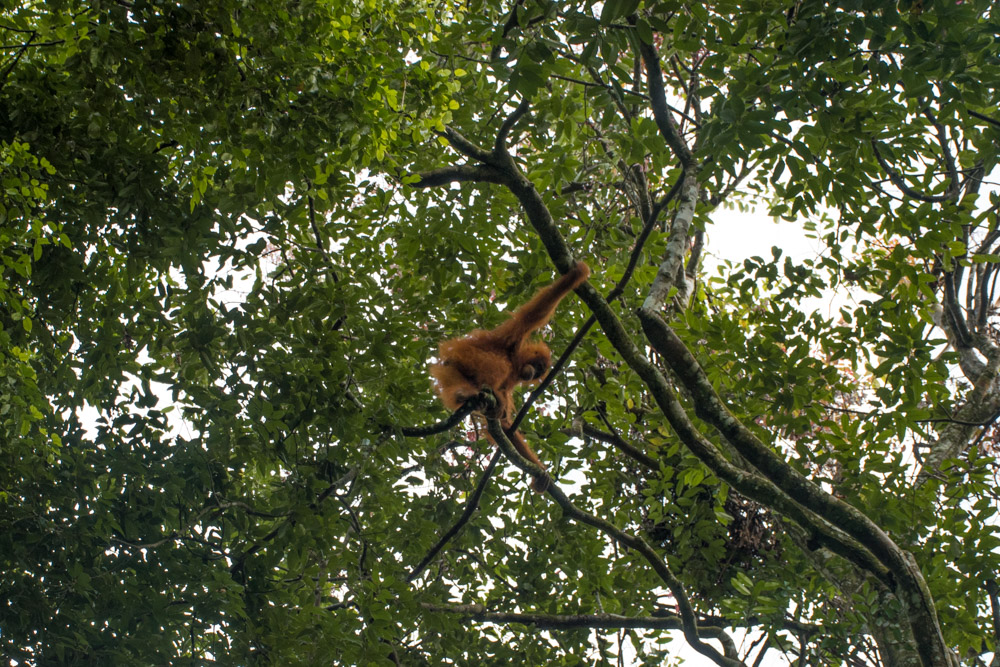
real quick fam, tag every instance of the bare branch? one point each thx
(34, 45)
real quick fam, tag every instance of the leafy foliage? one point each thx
(232, 237)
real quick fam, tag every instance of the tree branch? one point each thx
(500, 145)
(452, 421)
(993, 592)
(909, 587)
(458, 174)
(991, 121)
(949, 160)
(470, 509)
(671, 268)
(553, 373)
(622, 445)
(16, 58)
(689, 622)
(618, 289)
(647, 229)
(658, 102)
(478, 612)
(464, 146)
(898, 181)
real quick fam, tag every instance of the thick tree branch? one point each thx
(953, 311)
(478, 612)
(957, 437)
(671, 268)
(464, 146)
(951, 320)
(789, 624)
(458, 174)
(697, 246)
(911, 588)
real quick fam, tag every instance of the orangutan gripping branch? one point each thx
(503, 358)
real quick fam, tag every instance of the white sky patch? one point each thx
(737, 235)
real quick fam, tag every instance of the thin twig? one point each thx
(991, 121)
(16, 59)
(898, 181)
(621, 444)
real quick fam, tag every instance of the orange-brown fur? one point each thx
(503, 358)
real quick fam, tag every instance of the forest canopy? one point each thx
(233, 236)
